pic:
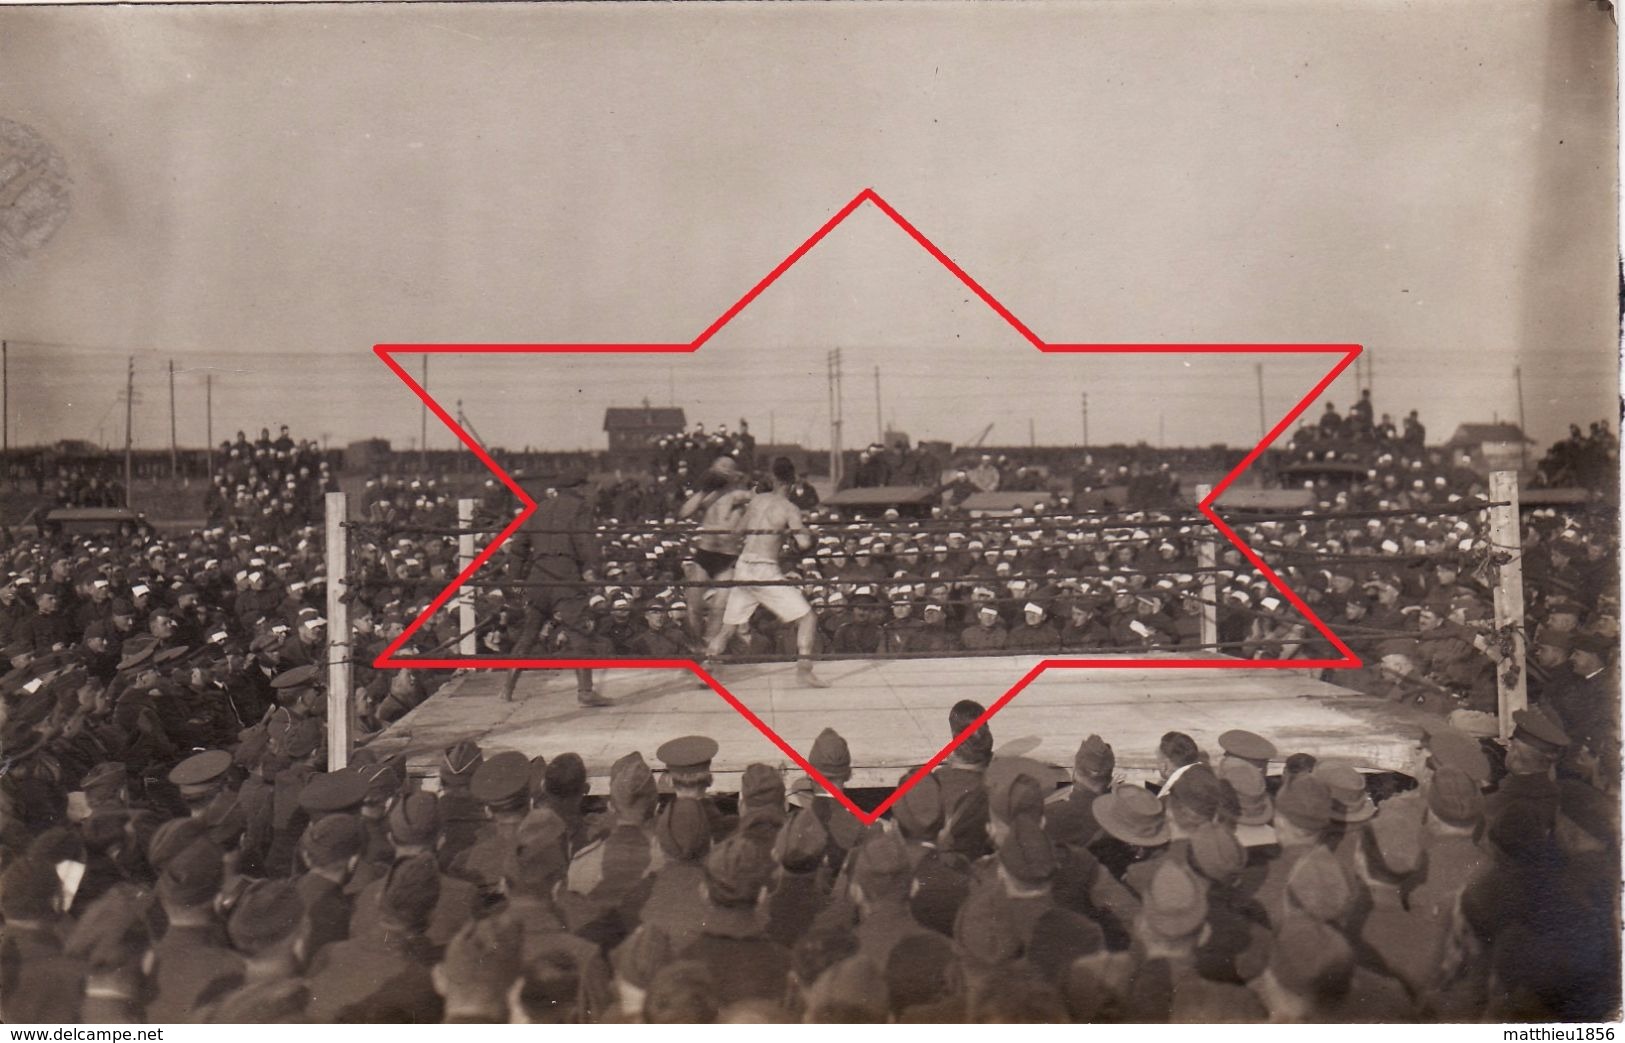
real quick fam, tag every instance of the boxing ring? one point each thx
(894, 714)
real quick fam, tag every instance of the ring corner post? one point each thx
(1207, 559)
(1511, 695)
(341, 722)
(466, 644)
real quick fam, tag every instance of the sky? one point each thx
(263, 194)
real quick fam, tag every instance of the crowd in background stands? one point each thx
(268, 487)
(88, 485)
(129, 655)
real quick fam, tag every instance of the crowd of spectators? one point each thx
(163, 789)
(269, 488)
(88, 485)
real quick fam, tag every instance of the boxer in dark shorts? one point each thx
(717, 503)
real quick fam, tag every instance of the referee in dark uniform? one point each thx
(556, 545)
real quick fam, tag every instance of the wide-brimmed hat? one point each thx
(1133, 815)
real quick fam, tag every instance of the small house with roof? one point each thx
(634, 429)
(1491, 447)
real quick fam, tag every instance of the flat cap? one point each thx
(267, 912)
(299, 677)
(200, 769)
(1095, 758)
(501, 779)
(831, 757)
(1538, 730)
(736, 870)
(1350, 802)
(687, 753)
(165, 656)
(1320, 887)
(1175, 901)
(1454, 797)
(1246, 745)
(331, 791)
(1305, 802)
(333, 839)
(415, 819)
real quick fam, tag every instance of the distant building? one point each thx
(1491, 447)
(634, 429)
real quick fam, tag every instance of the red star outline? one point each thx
(1344, 355)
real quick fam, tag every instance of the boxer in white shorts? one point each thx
(767, 518)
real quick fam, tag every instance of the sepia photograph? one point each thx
(1052, 512)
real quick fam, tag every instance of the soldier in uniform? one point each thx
(194, 949)
(688, 768)
(502, 784)
(611, 869)
(556, 545)
(461, 816)
(330, 851)
(732, 943)
(415, 830)
(383, 975)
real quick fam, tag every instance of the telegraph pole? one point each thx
(423, 422)
(208, 419)
(129, 414)
(1032, 433)
(1258, 368)
(5, 396)
(833, 361)
(174, 444)
(880, 428)
(1086, 420)
(1523, 445)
